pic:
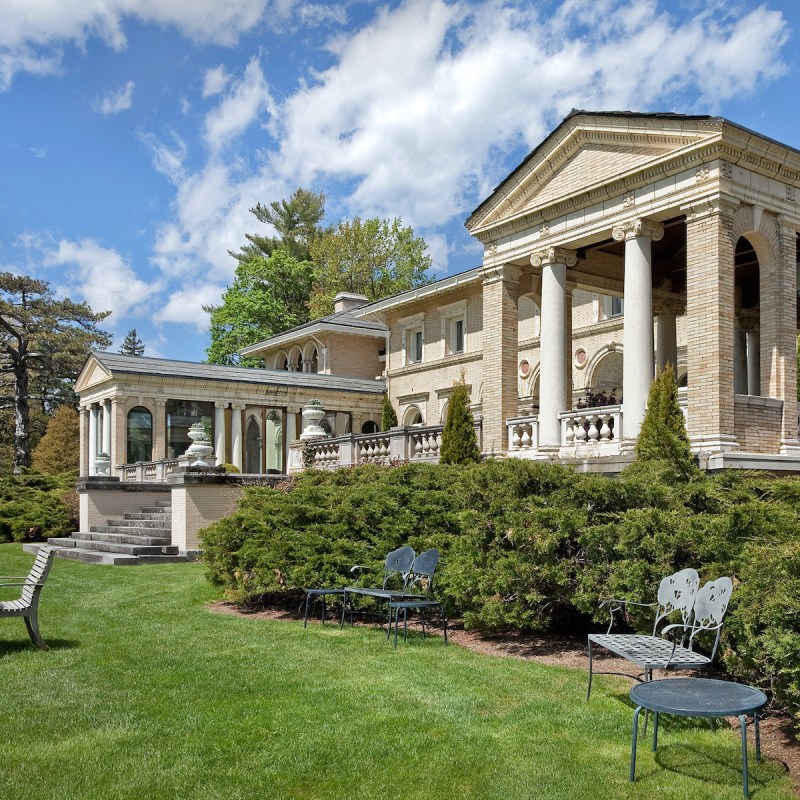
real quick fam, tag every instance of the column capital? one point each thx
(502, 272)
(708, 206)
(635, 228)
(238, 405)
(220, 404)
(554, 255)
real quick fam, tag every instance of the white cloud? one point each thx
(424, 105)
(215, 80)
(39, 152)
(114, 102)
(101, 277)
(245, 102)
(33, 32)
(186, 306)
(168, 157)
(313, 14)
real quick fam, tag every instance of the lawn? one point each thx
(147, 694)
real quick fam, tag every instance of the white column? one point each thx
(236, 434)
(553, 360)
(666, 342)
(740, 362)
(637, 366)
(92, 439)
(219, 432)
(107, 427)
(753, 346)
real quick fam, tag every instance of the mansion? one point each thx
(624, 242)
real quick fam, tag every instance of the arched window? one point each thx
(282, 361)
(139, 435)
(413, 416)
(370, 427)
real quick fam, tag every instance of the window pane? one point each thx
(181, 415)
(458, 336)
(140, 435)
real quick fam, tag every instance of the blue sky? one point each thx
(135, 135)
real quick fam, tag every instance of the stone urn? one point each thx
(200, 448)
(313, 413)
(102, 464)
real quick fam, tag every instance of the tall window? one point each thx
(455, 335)
(139, 435)
(414, 345)
(181, 415)
(617, 307)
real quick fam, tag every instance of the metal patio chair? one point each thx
(706, 615)
(396, 569)
(422, 573)
(27, 605)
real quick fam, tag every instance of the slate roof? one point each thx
(162, 367)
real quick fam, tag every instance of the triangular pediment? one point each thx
(92, 374)
(585, 153)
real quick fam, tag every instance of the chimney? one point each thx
(345, 301)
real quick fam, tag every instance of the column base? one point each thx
(720, 443)
(790, 447)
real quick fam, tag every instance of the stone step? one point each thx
(136, 523)
(151, 515)
(156, 509)
(122, 538)
(112, 547)
(111, 559)
(130, 530)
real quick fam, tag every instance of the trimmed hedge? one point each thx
(534, 546)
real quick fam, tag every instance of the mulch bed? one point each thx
(778, 739)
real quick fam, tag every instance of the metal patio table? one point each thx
(698, 697)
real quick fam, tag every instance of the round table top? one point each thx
(698, 697)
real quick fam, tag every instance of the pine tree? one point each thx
(133, 345)
(388, 416)
(663, 434)
(459, 443)
(58, 449)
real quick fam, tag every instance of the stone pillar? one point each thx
(710, 323)
(219, 432)
(753, 358)
(778, 330)
(93, 412)
(500, 350)
(554, 363)
(107, 427)
(83, 427)
(159, 429)
(666, 342)
(236, 434)
(119, 432)
(637, 365)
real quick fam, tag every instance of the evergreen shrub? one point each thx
(533, 546)
(34, 507)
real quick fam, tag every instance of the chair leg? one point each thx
(32, 624)
(589, 689)
(305, 616)
(444, 623)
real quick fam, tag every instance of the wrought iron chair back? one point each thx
(423, 570)
(677, 593)
(399, 562)
(710, 607)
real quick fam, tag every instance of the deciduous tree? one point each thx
(58, 449)
(267, 296)
(43, 345)
(373, 257)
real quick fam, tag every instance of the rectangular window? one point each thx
(616, 306)
(457, 336)
(414, 346)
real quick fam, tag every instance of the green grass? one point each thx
(146, 694)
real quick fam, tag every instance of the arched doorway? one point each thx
(139, 435)
(252, 443)
(747, 358)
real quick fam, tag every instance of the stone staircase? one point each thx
(144, 537)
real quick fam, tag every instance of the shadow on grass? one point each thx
(8, 648)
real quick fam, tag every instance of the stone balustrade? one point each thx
(523, 434)
(591, 426)
(149, 471)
